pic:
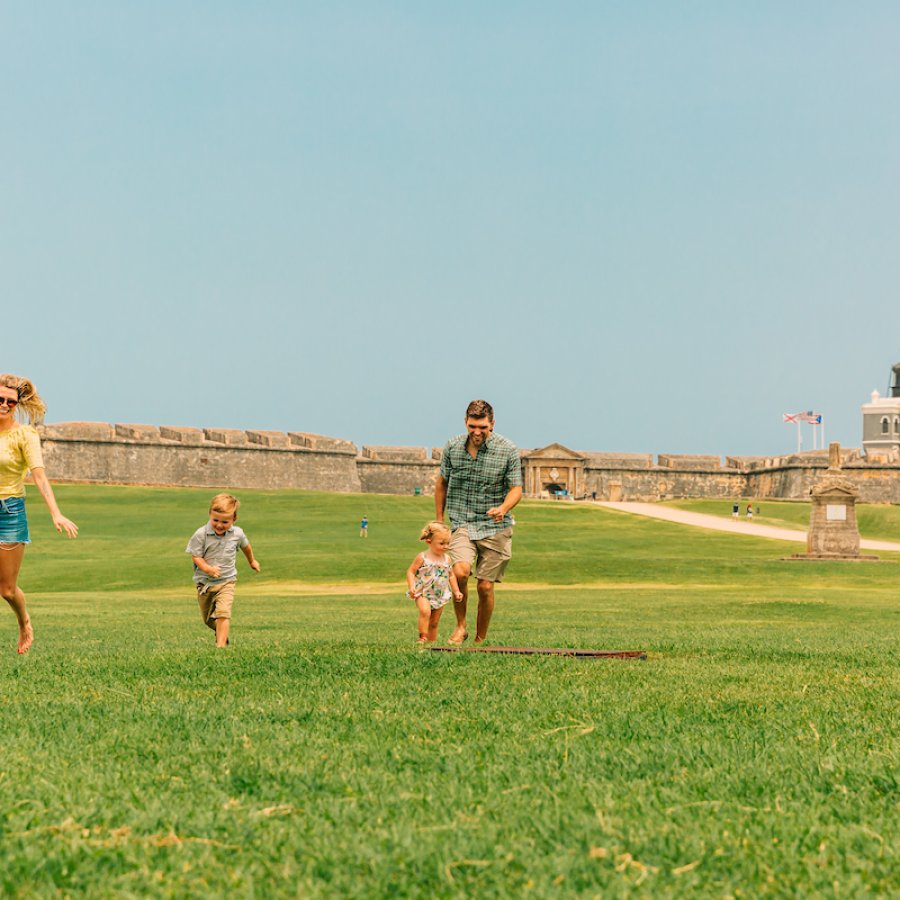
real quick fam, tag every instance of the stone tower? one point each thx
(881, 420)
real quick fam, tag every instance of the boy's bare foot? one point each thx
(26, 637)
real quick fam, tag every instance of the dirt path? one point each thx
(717, 523)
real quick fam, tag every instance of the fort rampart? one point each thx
(160, 455)
(778, 477)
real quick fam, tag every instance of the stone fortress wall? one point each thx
(232, 458)
(671, 477)
(228, 458)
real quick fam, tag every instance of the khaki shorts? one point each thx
(215, 601)
(488, 556)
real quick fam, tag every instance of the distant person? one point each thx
(431, 581)
(749, 510)
(735, 509)
(213, 548)
(364, 527)
(480, 481)
(20, 451)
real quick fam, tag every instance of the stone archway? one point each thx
(553, 469)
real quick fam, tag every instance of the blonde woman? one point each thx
(20, 451)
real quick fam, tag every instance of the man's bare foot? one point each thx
(459, 635)
(26, 637)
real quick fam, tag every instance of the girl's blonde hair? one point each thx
(433, 528)
(30, 402)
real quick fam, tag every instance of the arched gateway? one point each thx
(553, 470)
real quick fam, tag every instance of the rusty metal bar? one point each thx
(547, 651)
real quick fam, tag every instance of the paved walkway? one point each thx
(720, 523)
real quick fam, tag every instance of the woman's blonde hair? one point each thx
(433, 528)
(30, 402)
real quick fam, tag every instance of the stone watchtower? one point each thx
(833, 532)
(881, 420)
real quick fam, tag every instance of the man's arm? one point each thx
(512, 498)
(440, 498)
(514, 494)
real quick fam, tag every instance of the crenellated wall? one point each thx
(632, 477)
(397, 470)
(145, 454)
(221, 457)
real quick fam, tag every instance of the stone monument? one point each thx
(833, 532)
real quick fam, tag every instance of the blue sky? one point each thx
(644, 227)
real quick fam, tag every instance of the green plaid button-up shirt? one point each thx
(476, 485)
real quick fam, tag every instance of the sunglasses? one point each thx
(12, 404)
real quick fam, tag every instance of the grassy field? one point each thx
(753, 753)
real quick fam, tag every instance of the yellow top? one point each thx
(20, 450)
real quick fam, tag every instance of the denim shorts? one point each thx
(13, 524)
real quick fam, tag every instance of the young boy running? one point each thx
(213, 549)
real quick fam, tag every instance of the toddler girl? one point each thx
(431, 580)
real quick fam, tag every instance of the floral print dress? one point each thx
(432, 581)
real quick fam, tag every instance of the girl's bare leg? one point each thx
(433, 620)
(10, 563)
(424, 608)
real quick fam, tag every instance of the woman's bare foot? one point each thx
(26, 636)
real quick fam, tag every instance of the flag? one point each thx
(813, 418)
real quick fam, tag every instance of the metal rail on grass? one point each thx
(547, 651)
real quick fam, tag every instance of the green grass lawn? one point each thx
(753, 753)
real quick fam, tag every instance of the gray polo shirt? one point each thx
(217, 551)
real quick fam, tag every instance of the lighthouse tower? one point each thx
(881, 420)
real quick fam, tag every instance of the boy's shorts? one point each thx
(215, 601)
(487, 556)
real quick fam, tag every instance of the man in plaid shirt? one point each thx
(479, 483)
